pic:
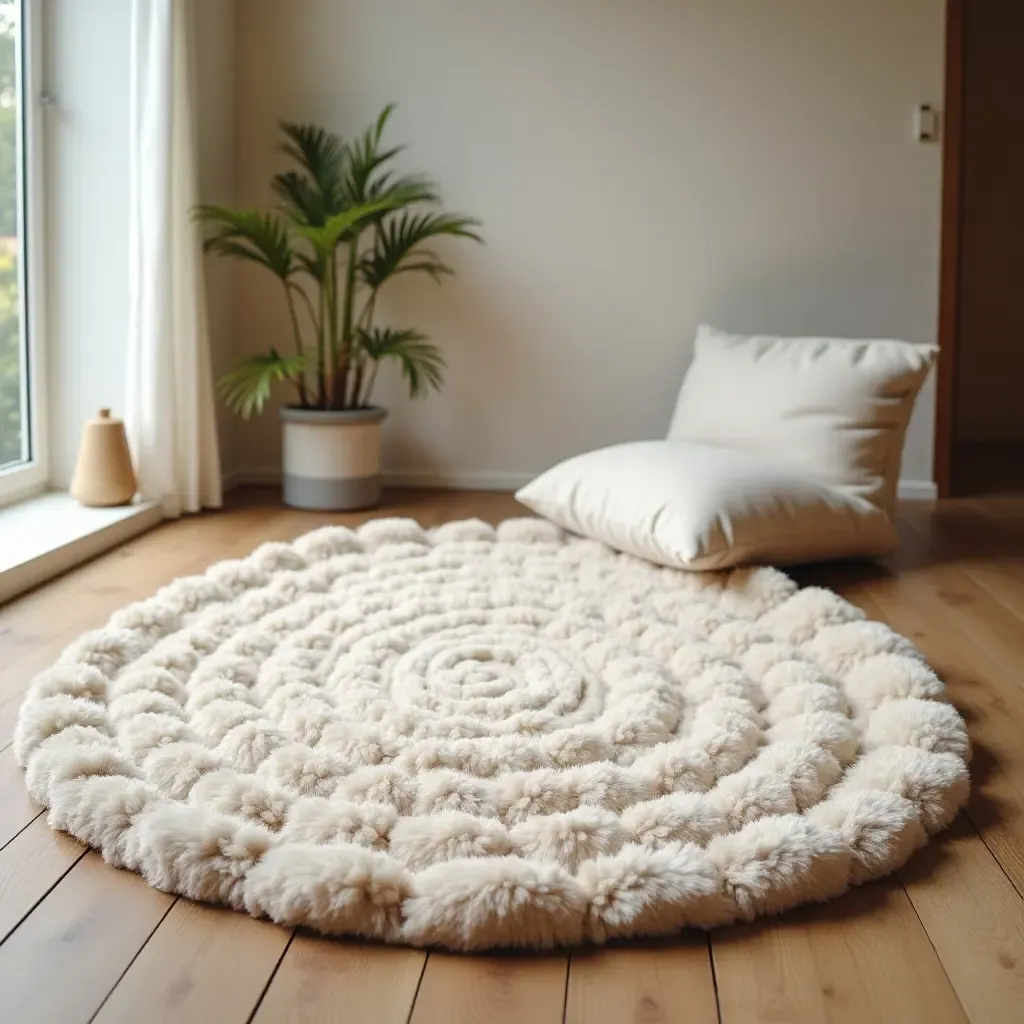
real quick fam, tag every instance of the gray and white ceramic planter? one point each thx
(332, 459)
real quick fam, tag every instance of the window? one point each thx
(22, 440)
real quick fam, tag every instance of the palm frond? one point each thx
(398, 244)
(303, 202)
(405, 190)
(248, 234)
(365, 180)
(340, 226)
(362, 162)
(320, 152)
(409, 188)
(382, 119)
(313, 264)
(312, 146)
(246, 389)
(364, 156)
(421, 362)
(318, 190)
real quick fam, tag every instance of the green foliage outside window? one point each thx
(10, 341)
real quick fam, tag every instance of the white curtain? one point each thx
(169, 411)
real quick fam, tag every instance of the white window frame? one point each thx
(28, 478)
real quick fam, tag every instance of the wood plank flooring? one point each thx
(943, 941)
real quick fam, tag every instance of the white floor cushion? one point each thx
(693, 506)
(835, 410)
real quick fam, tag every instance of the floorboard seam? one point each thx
(31, 910)
(20, 830)
(270, 980)
(1007, 671)
(966, 574)
(135, 956)
(992, 853)
(934, 948)
(7, 738)
(419, 985)
(714, 976)
(565, 994)
(997, 598)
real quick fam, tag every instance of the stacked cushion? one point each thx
(780, 450)
(834, 410)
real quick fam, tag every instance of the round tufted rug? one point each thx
(470, 738)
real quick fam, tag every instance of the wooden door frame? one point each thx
(949, 271)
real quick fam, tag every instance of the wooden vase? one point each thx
(103, 473)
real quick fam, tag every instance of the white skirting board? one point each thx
(917, 490)
(909, 490)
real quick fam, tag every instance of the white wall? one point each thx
(640, 166)
(86, 68)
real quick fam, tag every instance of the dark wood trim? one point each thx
(949, 273)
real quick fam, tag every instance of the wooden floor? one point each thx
(941, 942)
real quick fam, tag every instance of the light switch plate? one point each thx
(926, 123)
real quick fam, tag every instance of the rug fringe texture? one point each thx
(471, 738)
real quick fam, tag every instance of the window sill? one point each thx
(51, 533)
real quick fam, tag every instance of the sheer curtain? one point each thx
(169, 410)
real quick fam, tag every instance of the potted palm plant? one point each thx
(346, 224)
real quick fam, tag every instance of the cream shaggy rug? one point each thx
(474, 738)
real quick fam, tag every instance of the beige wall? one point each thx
(640, 166)
(990, 352)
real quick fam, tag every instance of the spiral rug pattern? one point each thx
(471, 738)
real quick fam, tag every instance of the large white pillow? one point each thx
(833, 409)
(692, 506)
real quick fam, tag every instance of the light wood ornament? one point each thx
(103, 474)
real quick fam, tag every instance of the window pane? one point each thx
(14, 441)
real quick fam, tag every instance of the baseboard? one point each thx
(253, 477)
(458, 481)
(269, 476)
(917, 490)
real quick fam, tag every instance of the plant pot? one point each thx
(332, 459)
